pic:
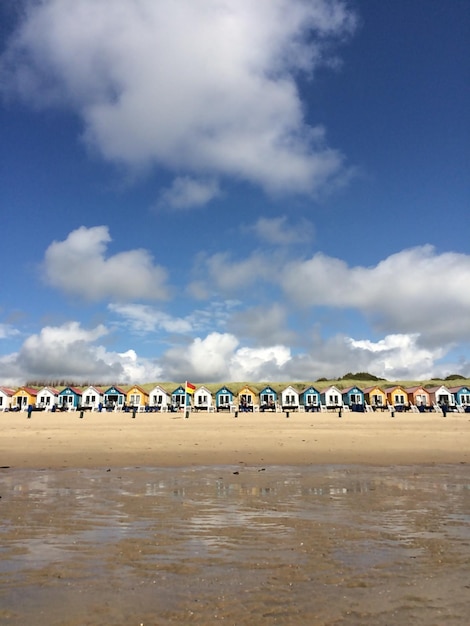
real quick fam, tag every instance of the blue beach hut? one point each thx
(178, 397)
(462, 397)
(114, 398)
(310, 399)
(353, 397)
(70, 398)
(224, 399)
(267, 399)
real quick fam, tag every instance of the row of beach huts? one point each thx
(194, 398)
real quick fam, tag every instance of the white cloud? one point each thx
(260, 363)
(204, 359)
(6, 331)
(71, 352)
(78, 266)
(413, 291)
(396, 357)
(277, 231)
(222, 273)
(198, 86)
(142, 318)
(186, 192)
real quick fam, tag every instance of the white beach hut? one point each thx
(6, 396)
(290, 398)
(203, 399)
(159, 398)
(92, 397)
(47, 398)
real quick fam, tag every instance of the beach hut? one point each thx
(137, 397)
(246, 397)
(353, 397)
(397, 397)
(461, 398)
(114, 398)
(47, 398)
(70, 398)
(202, 399)
(159, 399)
(179, 397)
(310, 399)
(441, 396)
(267, 399)
(331, 398)
(224, 399)
(6, 395)
(290, 399)
(23, 397)
(375, 397)
(92, 398)
(420, 398)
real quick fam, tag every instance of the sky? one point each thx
(229, 190)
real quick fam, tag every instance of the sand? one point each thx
(64, 440)
(259, 519)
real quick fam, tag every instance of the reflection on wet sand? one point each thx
(269, 545)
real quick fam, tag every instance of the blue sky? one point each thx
(224, 190)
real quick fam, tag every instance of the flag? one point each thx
(190, 388)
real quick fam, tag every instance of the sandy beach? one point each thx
(64, 440)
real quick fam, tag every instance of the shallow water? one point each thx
(336, 545)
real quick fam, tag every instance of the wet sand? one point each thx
(168, 439)
(318, 545)
(263, 519)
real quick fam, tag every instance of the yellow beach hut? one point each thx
(246, 397)
(375, 397)
(137, 397)
(23, 397)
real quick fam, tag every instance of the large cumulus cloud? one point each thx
(202, 86)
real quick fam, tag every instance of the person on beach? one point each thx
(30, 410)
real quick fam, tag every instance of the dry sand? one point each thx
(64, 440)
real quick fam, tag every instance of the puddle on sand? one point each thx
(277, 545)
